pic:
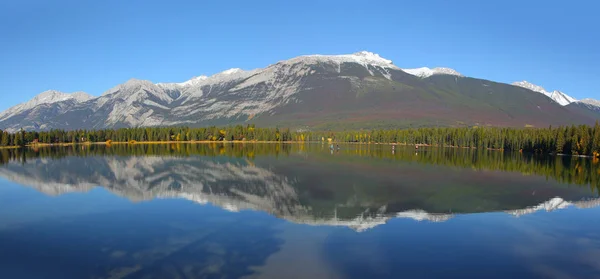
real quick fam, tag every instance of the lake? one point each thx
(228, 210)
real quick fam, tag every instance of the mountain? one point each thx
(360, 90)
(41, 108)
(558, 96)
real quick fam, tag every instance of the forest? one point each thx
(573, 140)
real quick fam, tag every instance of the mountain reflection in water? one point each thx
(358, 187)
(133, 212)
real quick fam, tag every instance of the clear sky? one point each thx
(92, 46)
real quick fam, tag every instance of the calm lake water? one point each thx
(296, 211)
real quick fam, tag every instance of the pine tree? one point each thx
(19, 139)
(596, 140)
(4, 139)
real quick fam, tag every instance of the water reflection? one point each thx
(164, 240)
(356, 188)
(372, 211)
(565, 169)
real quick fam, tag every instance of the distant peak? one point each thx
(560, 97)
(50, 96)
(590, 102)
(425, 72)
(135, 81)
(129, 84)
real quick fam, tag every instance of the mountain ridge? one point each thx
(309, 90)
(556, 95)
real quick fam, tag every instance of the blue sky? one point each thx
(92, 46)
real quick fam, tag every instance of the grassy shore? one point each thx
(149, 142)
(8, 147)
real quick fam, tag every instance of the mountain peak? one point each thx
(46, 97)
(136, 82)
(425, 72)
(362, 57)
(129, 84)
(81, 96)
(53, 96)
(370, 56)
(557, 96)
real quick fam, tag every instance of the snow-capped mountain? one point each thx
(558, 96)
(310, 90)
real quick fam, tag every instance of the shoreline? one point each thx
(38, 145)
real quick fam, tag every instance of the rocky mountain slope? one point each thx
(360, 90)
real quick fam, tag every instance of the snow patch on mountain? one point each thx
(194, 85)
(425, 72)
(421, 215)
(364, 222)
(551, 205)
(370, 61)
(560, 97)
(232, 71)
(556, 204)
(527, 85)
(363, 57)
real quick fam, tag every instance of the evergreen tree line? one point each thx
(148, 134)
(575, 140)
